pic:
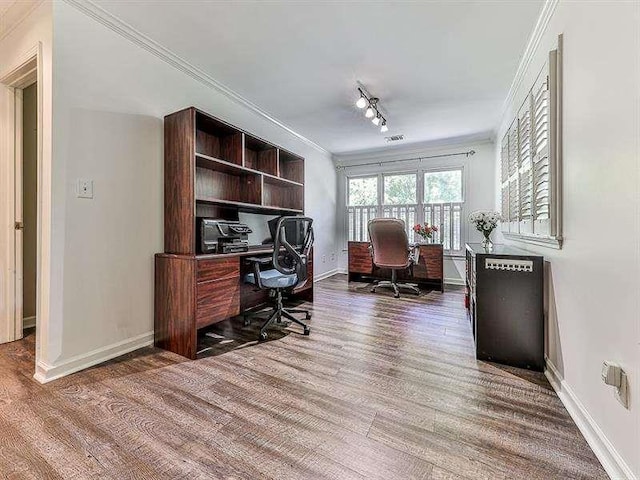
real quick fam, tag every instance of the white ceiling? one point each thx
(442, 69)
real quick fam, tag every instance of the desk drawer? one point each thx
(217, 300)
(218, 269)
(430, 262)
(360, 258)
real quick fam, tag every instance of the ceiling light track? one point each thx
(372, 109)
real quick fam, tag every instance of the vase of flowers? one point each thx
(485, 222)
(425, 230)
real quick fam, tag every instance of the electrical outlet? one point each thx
(85, 188)
(622, 392)
(324, 259)
(333, 256)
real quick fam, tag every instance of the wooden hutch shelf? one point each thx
(210, 163)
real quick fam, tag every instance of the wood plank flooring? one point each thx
(381, 389)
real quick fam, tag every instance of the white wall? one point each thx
(594, 281)
(110, 96)
(479, 185)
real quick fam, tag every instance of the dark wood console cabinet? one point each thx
(505, 302)
(213, 169)
(428, 271)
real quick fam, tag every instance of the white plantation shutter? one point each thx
(541, 156)
(514, 204)
(524, 167)
(504, 160)
(529, 158)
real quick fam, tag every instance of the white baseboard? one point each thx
(28, 322)
(46, 373)
(455, 281)
(613, 463)
(322, 276)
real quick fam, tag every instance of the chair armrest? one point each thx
(257, 261)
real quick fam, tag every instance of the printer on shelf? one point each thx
(222, 236)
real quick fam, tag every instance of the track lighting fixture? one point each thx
(373, 109)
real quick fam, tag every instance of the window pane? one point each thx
(400, 189)
(363, 191)
(443, 187)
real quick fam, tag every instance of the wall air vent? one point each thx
(394, 138)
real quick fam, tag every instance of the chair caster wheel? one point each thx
(397, 295)
(373, 290)
(263, 336)
(307, 330)
(247, 322)
(307, 316)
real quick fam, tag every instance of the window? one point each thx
(400, 189)
(530, 164)
(363, 191)
(443, 187)
(437, 199)
(400, 199)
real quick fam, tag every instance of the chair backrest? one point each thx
(389, 242)
(290, 255)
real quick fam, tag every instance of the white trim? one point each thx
(610, 459)
(125, 30)
(28, 322)
(322, 276)
(544, 17)
(46, 373)
(550, 242)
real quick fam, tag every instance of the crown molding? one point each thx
(13, 16)
(544, 17)
(125, 30)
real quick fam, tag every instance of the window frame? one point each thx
(552, 69)
(419, 172)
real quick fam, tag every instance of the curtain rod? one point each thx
(466, 154)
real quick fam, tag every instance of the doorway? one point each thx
(20, 164)
(29, 203)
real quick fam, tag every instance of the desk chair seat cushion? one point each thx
(273, 279)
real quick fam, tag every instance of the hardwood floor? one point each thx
(382, 388)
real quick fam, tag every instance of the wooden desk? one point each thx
(195, 291)
(427, 272)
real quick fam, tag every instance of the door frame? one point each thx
(26, 71)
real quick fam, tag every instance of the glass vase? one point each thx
(487, 244)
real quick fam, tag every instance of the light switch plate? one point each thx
(85, 188)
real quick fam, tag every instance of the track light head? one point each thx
(362, 102)
(384, 127)
(369, 112)
(376, 120)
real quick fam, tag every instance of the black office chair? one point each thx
(290, 270)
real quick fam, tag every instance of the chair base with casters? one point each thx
(278, 284)
(393, 284)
